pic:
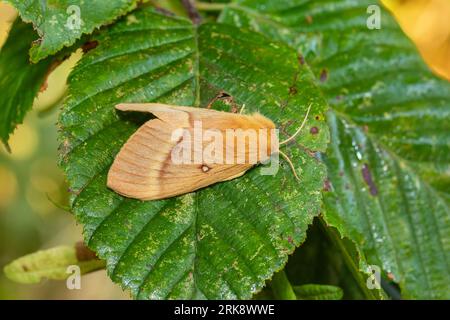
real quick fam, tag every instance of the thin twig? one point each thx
(192, 11)
(207, 6)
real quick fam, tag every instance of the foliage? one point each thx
(388, 159)
(19, 80)
(52, 264)
(175, 248)
(385, 176)
(60, 23)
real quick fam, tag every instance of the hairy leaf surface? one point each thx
(60, 23)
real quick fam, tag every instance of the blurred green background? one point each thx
(31, 183)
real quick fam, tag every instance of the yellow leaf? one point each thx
(427, 23)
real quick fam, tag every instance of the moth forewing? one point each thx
(214, 150)
(184, 149)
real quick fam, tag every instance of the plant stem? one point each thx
(206, 6)
(281, 287)
(192, 11)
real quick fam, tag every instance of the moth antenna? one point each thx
(299, 129)
(290, 163)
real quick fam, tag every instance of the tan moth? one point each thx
(185, 148)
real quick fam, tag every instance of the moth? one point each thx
(184, 149)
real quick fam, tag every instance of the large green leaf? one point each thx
(223, 241)
(20, 81)
(389, 158)
(61, 22)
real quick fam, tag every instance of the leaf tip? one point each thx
(7, 146)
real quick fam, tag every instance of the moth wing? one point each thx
(135, 170)
(240, 174)
(144, 168)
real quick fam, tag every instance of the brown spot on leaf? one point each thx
(327, 185)
(323, 75)
(309, 19)
(314, 130)
(25, 268)
(290, 240)
(293, 91)
(301, 59)
(83, 253)
(367, 175)
(72, 191)
(89, 45)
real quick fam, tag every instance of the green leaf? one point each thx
(318, 292)
(281, 287)
(223, 241)
(60, 23)
(52, 264)
(389, 157)
(327, 258)
(20, 81)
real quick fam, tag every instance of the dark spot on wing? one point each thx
(204, 168)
